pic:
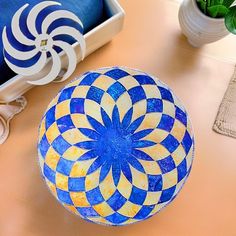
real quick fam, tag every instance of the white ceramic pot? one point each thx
(199, 28)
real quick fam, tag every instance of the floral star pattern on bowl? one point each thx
(115, 146)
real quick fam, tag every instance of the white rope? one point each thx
(7, 112)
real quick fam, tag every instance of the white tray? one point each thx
(95, 39)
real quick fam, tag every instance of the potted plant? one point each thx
(206, 21)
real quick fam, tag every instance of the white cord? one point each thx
(7, 112)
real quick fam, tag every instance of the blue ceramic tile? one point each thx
(49, 173)
(64, 166)
(155, 183)
(64, 197)
(76, 184)
(154, 105)
(167, 164)
(144, 79)
(116, 90)
(137, 195)
(167, 194)
(166, 123)
(170, 143)
(137, 94)
(116, 201)
(77, 106)
(116, 74)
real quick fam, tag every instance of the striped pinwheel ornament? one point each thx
(29, 44)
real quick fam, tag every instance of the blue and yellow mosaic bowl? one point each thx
(115, 146)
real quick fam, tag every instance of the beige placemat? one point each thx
(225, 122)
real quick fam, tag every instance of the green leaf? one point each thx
(228, 3)
(217, 11)
(216, 2)
(230, 20)
(202, 5)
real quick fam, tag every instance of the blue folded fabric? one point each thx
(89, 11)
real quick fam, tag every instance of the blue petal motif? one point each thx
(134, 126)
(104, 171)
(116, 172)
(96, 164)
(106, 119)
(141, 134)
(96, 125)
(88, 145)
(90, 133)
(116, 118)
(88, 155)
(141, 155)
(143, 144)
(133, 161)
(126, 171)
(127, 118)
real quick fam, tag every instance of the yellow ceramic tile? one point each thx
(73, 153)
(151, 91)
(53, 102)
(74, 136)
(151, 167)
(169, 108)
(41, 161)
(170, 179)
(93, 109)
(80, 92)
(130, 221)
(129, 83)
(92, 180)
(79, 199)
(129, 209)
(156, 152)
(103, 209)
(71, 208)
(42, 129)
(103, 70)
(179, 186)
(189, 158)
(139, 109)
(62, 109)
(157, 208)
(62, 181)
(134, 71)
(178, 130)
(74, 83)
(124, 186)
(189, 127)
(100, 220)
(80, 168)
(178, 155)
(152, 198)
(178, 103)
(107, 186)
(52, 187)
(52, 158)
(80, 121)
(52, 133)
(150, 121)
(160, 83)
(157, 135)
(104, 82)
(140, 179)
(107, 104)
(124, 103)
